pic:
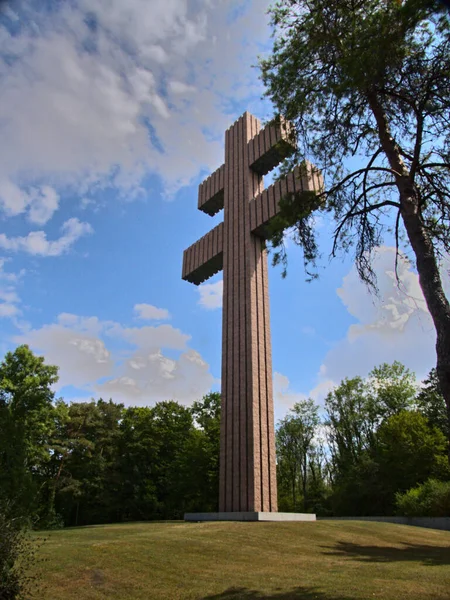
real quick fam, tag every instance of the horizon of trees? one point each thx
(81, 463)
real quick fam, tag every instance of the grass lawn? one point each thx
(324, 560)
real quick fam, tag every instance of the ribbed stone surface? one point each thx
(247, 439)
(265, 206)
(247, 467)
(204, 259)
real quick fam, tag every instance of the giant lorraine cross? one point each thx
(247, 438)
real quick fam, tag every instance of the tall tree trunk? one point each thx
(304, 484)
(294, 499)
(422, 245)
(431, 284)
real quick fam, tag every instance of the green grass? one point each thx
(324, 560)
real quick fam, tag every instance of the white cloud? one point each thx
(5, 275)
(13, 200)
(85, 101)
(81, 357)
(395, 326)
(40, 203)
(149, 313)
(284, 398)
(152, 338)
(8, 309)
(43, 205)
(321, 390)
(36, 242)
(152, 377)
(139, 372)
(9, 298)
(211, 295)
(178, 87)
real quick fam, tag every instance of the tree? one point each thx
(370, 79)
(351, 421)
(392, 388)
(26, 422)
(432, 405)
(294, 442)
(158, 461)
(409, 452)
(82, 471)
(205, 475)
(429, 499)
(138, 452)
(356, 411)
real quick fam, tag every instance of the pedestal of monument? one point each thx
(248, 516)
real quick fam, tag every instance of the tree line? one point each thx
(377, 440)
(80, 463)
(99, 462)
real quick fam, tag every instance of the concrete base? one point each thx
(249, 516)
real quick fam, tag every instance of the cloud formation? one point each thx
(104, 93)
(36, 242)
(394, 326)
(9, 299)
(39, 203)
(139, 372)
(148, 312)
(285, 397)
(211, 295)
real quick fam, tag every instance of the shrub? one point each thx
(430, 499)
(17, 555)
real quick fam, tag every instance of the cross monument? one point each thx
(248, 486)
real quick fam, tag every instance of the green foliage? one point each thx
(116, 464)
(378, 443)
(366, 79)
(206, 415)
(300, 460)
(409, 452)
(295, 214)
(17, 558)
(430, 499)
(26, 421)
(82, 473)
(365, 85)
(99, 462)
(392, 389)
(431, 403)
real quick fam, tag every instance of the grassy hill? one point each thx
(224, 561)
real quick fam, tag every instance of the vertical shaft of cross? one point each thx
(248, 468)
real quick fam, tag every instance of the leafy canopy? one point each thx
(333, 63)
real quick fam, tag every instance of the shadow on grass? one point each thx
(421, 553)
(300, 593)
(118, 524)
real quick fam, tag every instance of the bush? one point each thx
(17, 555)
(431, 499)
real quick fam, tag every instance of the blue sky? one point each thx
(111, 114)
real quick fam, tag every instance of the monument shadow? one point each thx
(423, 553)
(298, 593)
